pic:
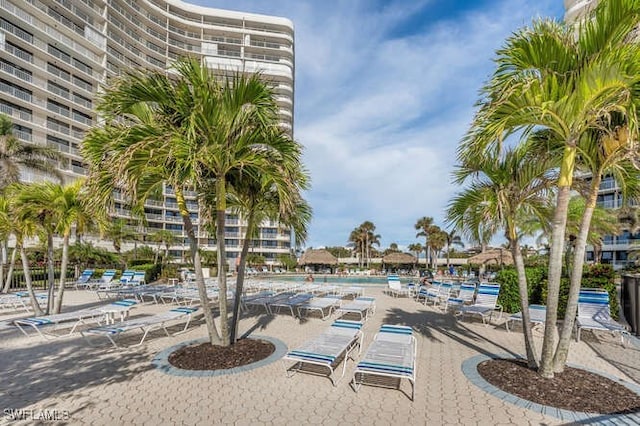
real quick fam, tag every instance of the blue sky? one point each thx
(385, 90)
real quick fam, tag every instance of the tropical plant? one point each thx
(119, 231)
(417, 249)
(424, 226)
(69, 208)
(189, 129)
(270, 193)
(452, 239)
(150, 140)
(16, 155)
(363, 238)
(166, 237)
(567, 80)
(504, 189)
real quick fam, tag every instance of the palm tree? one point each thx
(275, 196)
(119, 232)
(186, 128)
(363, 239)
(423, 225)
(452, 238)
(38, 203)
(6, 228)
(166, 237)
(155, 147)
(437, 241)
(567, 80)
(603, 151)
(417, 249)
(71, 211)
(16, 155)
(503, 190)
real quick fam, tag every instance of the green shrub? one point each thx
(509, 297)
(151, 271)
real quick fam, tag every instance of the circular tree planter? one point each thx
(179, 355)
(502, 369)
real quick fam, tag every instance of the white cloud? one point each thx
(381, 116)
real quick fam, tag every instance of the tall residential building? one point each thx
(55, 54)
(615, 248)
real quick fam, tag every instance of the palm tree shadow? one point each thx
(66, 366)
(428, 323)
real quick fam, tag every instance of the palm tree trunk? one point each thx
(523, 290)
(559, 225)
(51, 276)
(12, 263)
(222, 276)
(37, 310)
(214, 336)
(240, 277)
(63, 274)
(448, 254)
(562, 351)
(2, 263)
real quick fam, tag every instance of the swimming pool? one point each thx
(335, 279)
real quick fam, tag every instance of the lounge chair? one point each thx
(13, 302)
(537, 316)
(465, 296)
(137, 279)
(352, 291)
(291, 303)
(486, 303)
(428, 292)
(392, 354)
(84, 279)
(46, 326)
(126, 277)
(323, 305)
(362, 306)
(328, 350)
(144, 324)
(439, 296)
(395, 287)
(267, 301)
(106, 278)
(594, 314)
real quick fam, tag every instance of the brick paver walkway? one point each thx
(106, 386)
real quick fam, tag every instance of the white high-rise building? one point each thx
(55, 54)
(614, 248)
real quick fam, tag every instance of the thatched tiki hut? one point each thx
(493, 256)
(398, 260)
(316, 259)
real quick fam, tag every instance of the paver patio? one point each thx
(101, 385)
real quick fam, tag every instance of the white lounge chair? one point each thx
(537, 316)
(46, 326)
(14, 302)
(323, 305)
(395, 287)
(465, 296)
(486, 303)
(144, 324)
(594, 314)
(392, 354)
(84, 279)
(291, 303)
(334, 346)
(362, 306)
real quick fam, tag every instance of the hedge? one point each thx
(593, 276)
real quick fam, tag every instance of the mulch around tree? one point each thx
(574, 389)
(205, 356)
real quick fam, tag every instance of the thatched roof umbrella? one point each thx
(496, 256)
(399, 259)
(318, 257)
